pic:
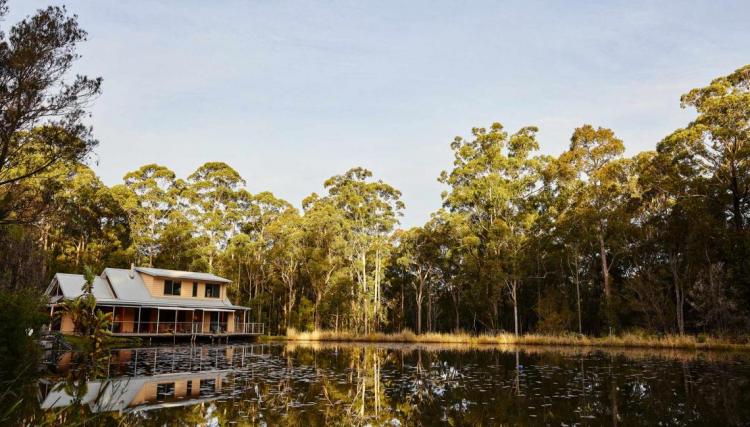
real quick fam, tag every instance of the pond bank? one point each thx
(624, 340)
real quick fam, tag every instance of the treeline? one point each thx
(590, 241)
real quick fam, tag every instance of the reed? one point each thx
(624, 340)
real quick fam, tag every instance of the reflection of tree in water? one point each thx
(344, 390)
(370, 385)
(421, 385)
(85, 368)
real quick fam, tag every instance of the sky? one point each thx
(292, 93)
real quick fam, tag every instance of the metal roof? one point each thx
(71, 286)
(125, 287)
(127, 284)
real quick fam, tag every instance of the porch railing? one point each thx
(249, 328)
(166, 327)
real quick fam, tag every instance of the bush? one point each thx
(21, 317)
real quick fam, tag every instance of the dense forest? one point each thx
(589, 241)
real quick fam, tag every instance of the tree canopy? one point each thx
(589, 240)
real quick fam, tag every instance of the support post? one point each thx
(140, 319)
(158, 313)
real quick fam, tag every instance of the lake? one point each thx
(344, 384)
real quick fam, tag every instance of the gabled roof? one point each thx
(126, 284)
(125, 287)
(71, 286)
(186, 275)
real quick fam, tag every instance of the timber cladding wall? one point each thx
(66, 324)
(155, 286)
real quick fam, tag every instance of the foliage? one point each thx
(87, 319)
(41, 109)
(21, 319)
(589, 241)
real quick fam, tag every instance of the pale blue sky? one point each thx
(291, 93)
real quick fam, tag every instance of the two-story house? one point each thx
(148, 301)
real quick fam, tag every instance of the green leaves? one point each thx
(150, 195)
(495, 182)
(214, 192)
(370, 211)
(41, 106)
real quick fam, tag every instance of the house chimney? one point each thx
(132, 271)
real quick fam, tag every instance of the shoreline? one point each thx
(628, 340)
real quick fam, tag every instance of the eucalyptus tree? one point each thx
(150, 197)
(704, 173)
(214, 189)
(179, 248)
(719, 137)
(89, 225)
(452, 234)
(264, 209)
(417, 253)
(285, 234)
(250, 255)
(371, 210)
(494, 182)
(597, 176)
(42, 107)
(324, 246)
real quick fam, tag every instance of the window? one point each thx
(195, 289)
(207, 388)
(164, 391)
(212, 290)
(172, 288)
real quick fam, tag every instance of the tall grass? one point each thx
(624, 340)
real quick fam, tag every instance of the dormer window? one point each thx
(172, 287)
(212, 290)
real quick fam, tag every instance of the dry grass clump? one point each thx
(624, 340)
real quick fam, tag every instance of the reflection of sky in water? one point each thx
(333, 384)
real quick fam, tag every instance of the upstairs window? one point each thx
(172, 287)
(195, 289)
(212, 290)
(164, 391)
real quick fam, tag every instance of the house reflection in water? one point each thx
(150, 378)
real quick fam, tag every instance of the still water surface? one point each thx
(352, 384)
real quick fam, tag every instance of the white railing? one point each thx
(249, 328)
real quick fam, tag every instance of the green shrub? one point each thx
(21, 316)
